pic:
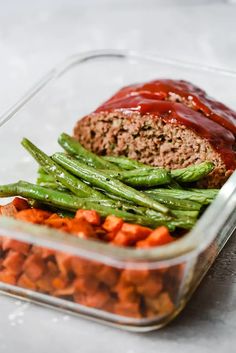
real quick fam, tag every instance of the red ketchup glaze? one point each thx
(209, 119)
(161, 89)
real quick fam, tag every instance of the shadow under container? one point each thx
(136, 289)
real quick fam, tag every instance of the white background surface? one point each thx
(35, 36)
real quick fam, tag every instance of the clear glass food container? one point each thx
(136, 289)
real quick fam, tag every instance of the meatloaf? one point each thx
(166, 123)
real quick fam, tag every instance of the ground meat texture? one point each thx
(163, 128)
(149, 140)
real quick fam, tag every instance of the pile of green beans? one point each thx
(138, 193)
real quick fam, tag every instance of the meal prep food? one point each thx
(138, 173)
(165, 123)
(125, 292)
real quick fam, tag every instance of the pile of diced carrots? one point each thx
(129, 292)
(88, 224)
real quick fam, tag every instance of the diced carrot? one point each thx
(58, 223)
(66, 229)
(120, 239)
(139, 232)
(59, 282)
(55, 221)
(130, 234)
(47, 252)
(151, 287)
(17, 245)
(136, 230)
(9, 210)
(110, 236)
(63, 262)
(108, 275)
(34, 267)
(136, 277)
(20, 204)
(68, 291)
(81, 228)
(109, 305)
(160, 236)
(14, 262)
(79, 266)
(52, 268)
(126, 292)
(91, 216)
(112, 224)
(99, 299)
(130, 309)
(44, 286)
(142, 244)
(99, 234)
(54, 216)
(159, 305)
(82, 267)
(88, 285)
(26, 282)
(33, 215)
(44, 283)
(79, 298)
(7, 277)
(43, 252)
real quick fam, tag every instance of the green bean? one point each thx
(74, 148)
(61, 175)
(110, 185)
(51, 185)
(125, 162)
(188, 174)
(173, 202)
(47, 180)
(139, 210)
(187, 223)
(184, 213)
(174, 185)
(41, 171)
(153, 179)
(209, 193)
(192, 173)
(65, 201)
(141, 177)
(204, 196)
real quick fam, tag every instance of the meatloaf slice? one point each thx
(160, 132)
